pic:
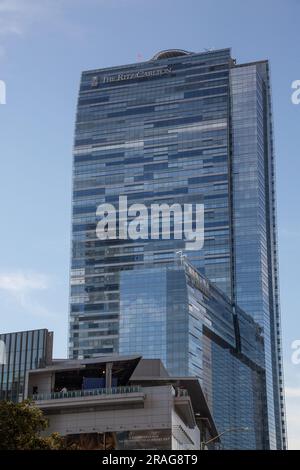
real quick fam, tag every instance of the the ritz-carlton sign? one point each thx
(131, 75)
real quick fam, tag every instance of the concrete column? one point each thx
(108, 375)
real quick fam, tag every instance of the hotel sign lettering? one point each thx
(131, 75)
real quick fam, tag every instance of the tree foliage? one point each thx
(21, 425)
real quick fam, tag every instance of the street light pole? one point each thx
(203, 443)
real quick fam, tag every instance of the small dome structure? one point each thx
(170, 53)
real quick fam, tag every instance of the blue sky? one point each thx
(44, 46)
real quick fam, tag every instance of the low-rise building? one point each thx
(19, 352)
(121, 402)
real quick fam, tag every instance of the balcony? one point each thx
(184, 408)
(85, 393)
(99, 398)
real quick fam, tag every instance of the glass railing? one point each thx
(86, 393)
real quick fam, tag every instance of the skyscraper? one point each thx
(182, 128)
(22, 351)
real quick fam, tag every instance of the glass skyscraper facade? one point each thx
(254, 224)
(175, 314)
(20, 352)
(185, 128)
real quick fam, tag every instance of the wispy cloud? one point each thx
(22, 282)
(18, 16)
(290, 233)
(292, 392)
(22, 288)
(293, 416)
